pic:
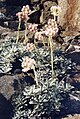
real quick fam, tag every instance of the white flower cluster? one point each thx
(51, 28)
(39, 36)
(28, 64)
(32, 27)
(25, 11)
(29, 47)
(55, 10)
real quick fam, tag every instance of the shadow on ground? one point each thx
(6, 108)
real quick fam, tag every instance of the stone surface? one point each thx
(6, 84)
(70, 15)
(75, 116)
(4, 31)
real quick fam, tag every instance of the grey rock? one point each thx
(6, 84)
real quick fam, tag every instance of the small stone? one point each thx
(6, 24)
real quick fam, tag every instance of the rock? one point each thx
(4, 31)
(6, 84)
(77, 37)
(70, 49)
(34, 1)
(70, 15)
(71, 106)
(71, 44)
(5, 24)
(75, 116)
(63, 4)
(74, 56)
(12, 24)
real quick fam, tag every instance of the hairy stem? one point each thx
(51, 48)
(18, 31)
(26, 30)
(35, 76)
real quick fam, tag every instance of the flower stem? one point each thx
(35, 76)
(54, 17)
(18, 31)
(26, 30)
(44, 43)
(50, 42)
(35, 43)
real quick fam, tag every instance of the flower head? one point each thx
(32, 27)
(39, 36)
(51, 28)
(25, 11)
(28, 64)
(55, 10)
(29, 47)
